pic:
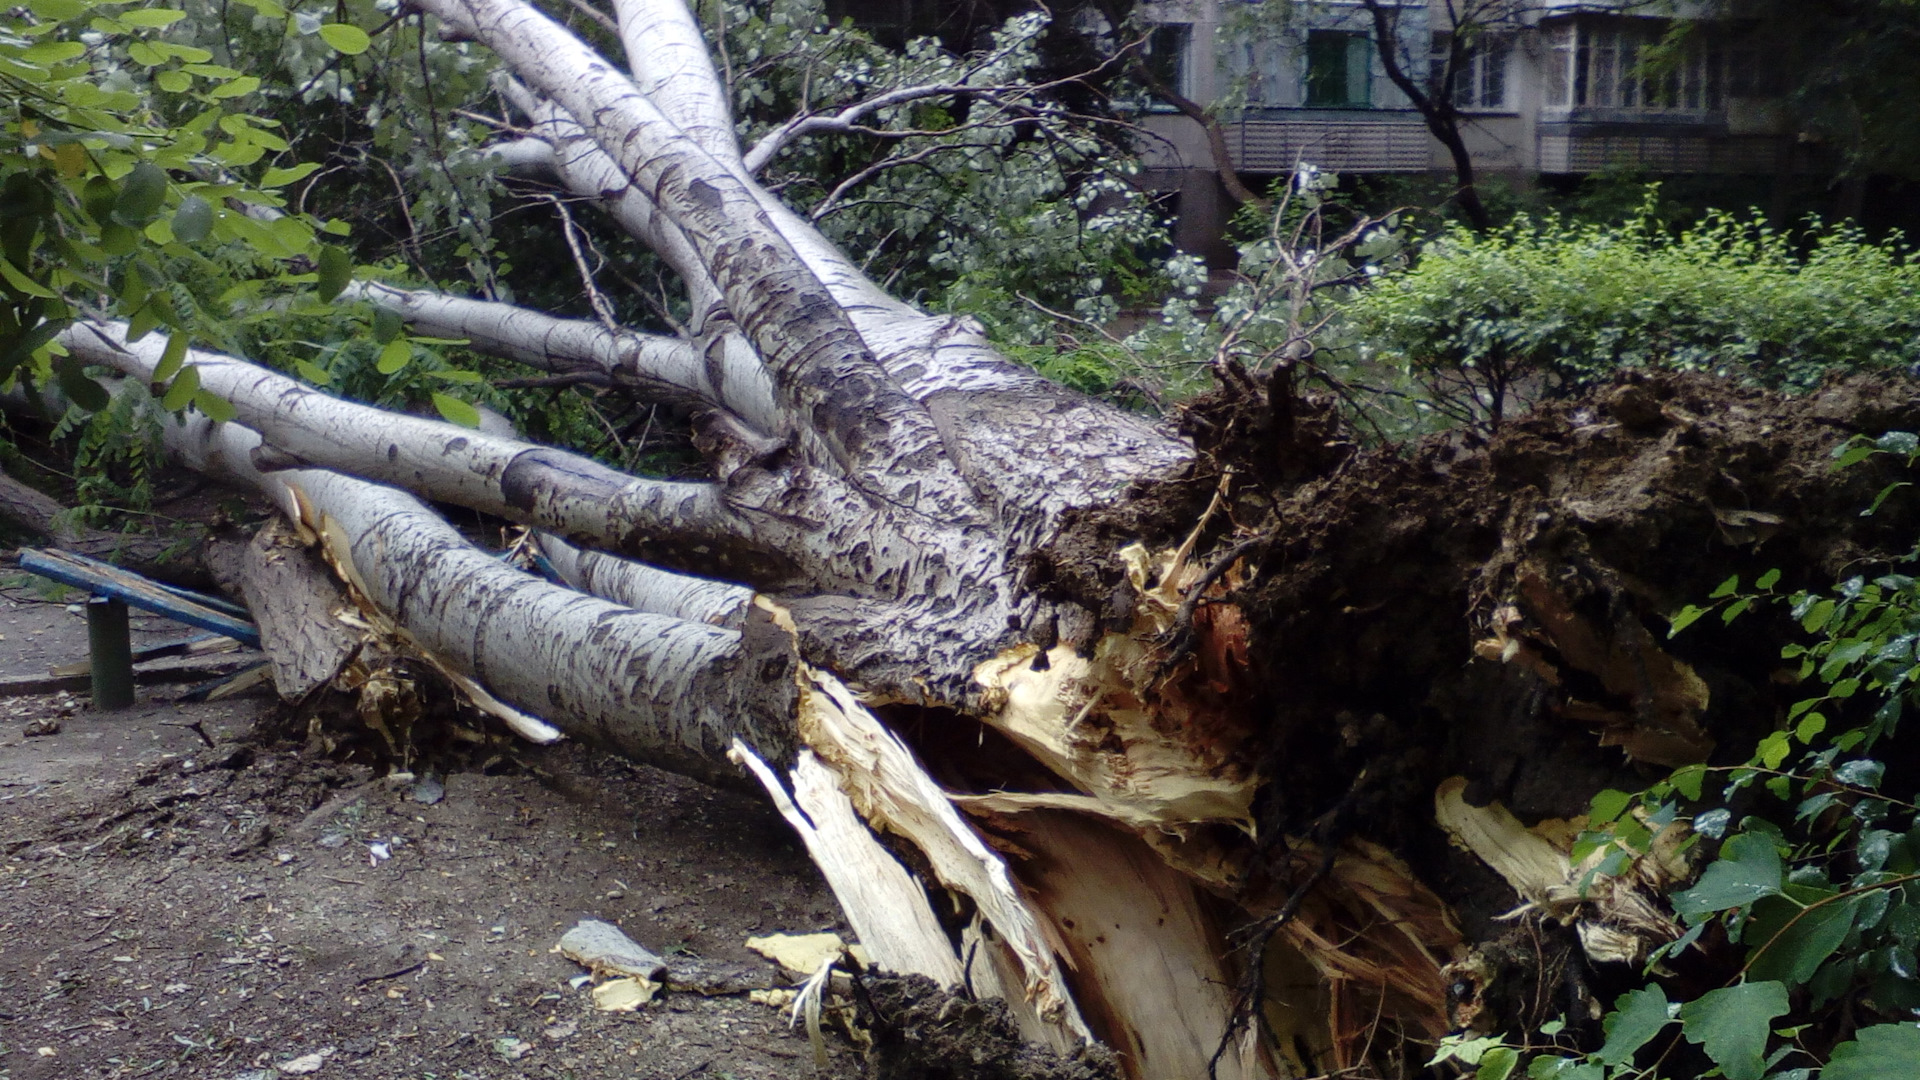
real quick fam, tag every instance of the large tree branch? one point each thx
(884, 439)
(666, 368)
(781, 526)
(672, 67)
(1029, 446)
(667, 522)
(670, 691)
(647, 588)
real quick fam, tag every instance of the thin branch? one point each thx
(846, 119)
(605, 20)
(571, 378)
(601, 306)
(883, 165)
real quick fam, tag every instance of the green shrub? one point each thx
(1490, 322)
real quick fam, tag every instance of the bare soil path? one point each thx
(170, 908)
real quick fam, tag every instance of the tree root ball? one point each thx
(921, 1032)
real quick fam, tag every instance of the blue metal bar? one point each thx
(105, 579)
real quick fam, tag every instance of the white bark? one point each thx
(667, 369)
(1029, 447)
(671, 691)
(568, 494)
(647, 588)
(884, 440)
(670, 63)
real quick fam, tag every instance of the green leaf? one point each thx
(53, 52)
(217, 408)
(58, 10)
(193, 221)
(1607, 806)
(394, 356)
(25, 284)
(312, 372)
(1853, 453)
(1497, 1063)
(1904, 443)
(1790, 941)
(280, 177)
(1638, 1016)
(1559, 1068)
(141, 194)
(233, 88)
(1727, 588)
(174, 82)
(151, 18)
(143, 321)
(1687, 781)
(98, 197)
(180, 394)
(80, 390)
(1684, 618)
(171, 359)
(336, 269)
(1861, 772)
(1880, 1052)
(1748, 869)
(1768, 580)
(347, 39)
(117, 239)
(1773, 749)
(387, 324)
(1732, 1025)
(456, 411)
(1816, 616)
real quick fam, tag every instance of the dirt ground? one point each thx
(180, 906)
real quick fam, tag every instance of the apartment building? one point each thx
(1549, 87)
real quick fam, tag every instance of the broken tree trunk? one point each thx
(295, 601)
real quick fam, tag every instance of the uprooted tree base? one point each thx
(1497, 610)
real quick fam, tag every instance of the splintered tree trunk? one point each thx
(1166, 740)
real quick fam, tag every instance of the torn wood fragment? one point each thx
(296, 602)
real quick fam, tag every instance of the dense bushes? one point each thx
(1488, 322)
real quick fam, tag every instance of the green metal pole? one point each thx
(110, 653)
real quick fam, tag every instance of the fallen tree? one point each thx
(1150, 733)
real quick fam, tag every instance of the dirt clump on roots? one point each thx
(1497, 608)
(921, 1032)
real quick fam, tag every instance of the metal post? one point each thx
(110, 653)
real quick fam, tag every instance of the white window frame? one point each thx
(1486, 66)
(1591, 64)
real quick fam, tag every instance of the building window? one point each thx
(1339, 69)
(1167, 48)
(1613, 65)
(1481, 80)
